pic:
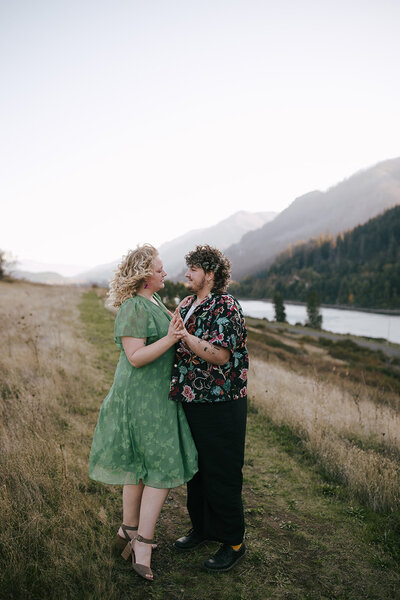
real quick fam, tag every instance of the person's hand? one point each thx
(182, 331)
(176, 329)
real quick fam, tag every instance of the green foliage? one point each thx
(173, 293)
(2, 264)
(99, 325)
(279, 307)
(313, 306)
(358, 268)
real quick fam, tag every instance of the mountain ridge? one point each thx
(220, 234)
(172, 253)
(343, 206)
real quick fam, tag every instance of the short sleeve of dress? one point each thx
(133, 320)
(228, 327)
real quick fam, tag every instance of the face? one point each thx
(196, 278)
(156, 281)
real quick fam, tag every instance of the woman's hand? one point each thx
(183, 331)
(176, 329)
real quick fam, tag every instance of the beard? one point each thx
(196, 287)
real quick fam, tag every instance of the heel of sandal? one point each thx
(126, 552)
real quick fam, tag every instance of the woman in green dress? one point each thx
(142, 440)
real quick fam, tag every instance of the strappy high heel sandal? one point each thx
(121, 542)
(142, 570)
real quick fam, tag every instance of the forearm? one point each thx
(147, 354)
(212, 354)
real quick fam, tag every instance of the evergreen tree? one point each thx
(313, 306)
(280, 313)
(2, 264)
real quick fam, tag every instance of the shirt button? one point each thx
(175, 365)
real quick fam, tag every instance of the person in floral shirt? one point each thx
(209, 377)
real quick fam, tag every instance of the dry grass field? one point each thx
(351, 428)
(355, 438)
(46, 382)
(321, 479)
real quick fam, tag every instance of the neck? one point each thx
(147, 293)
(203, 293)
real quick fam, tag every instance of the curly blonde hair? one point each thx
(133, 270)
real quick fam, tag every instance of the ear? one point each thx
(210, 277)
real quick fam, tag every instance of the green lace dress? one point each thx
(141, 433)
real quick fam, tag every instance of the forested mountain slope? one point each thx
(358, 268)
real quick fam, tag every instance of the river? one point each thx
(373, 325)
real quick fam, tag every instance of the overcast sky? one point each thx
(125, 122)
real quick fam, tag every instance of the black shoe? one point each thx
(225, 558)
(189, 541)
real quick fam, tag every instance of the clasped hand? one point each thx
(176, 327)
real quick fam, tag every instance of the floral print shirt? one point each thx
(219, 320)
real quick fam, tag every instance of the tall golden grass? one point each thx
(47, 384)
(355, 438)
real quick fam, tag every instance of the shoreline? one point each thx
(387, 347)
(394, 312)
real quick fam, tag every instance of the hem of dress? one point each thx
(147, 483)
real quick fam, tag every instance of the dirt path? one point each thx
(303, 541)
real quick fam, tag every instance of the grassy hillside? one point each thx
(312, 532)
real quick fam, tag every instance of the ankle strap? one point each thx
(139, 538)
(123, 527)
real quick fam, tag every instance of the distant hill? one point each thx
(342, 207)
(359, 268)
(33, 266)
(48, 277)
(101, 275)
(222, 235)
(172, 253)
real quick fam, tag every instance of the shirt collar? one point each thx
(194, 297)
(208, 297)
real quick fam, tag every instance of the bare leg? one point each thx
(150, 508)
(131, 499)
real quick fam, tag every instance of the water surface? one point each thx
(337, 320)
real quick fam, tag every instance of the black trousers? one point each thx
(214, 495)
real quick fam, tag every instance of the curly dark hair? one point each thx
(211, 260)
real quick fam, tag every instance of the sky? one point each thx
(124, 121)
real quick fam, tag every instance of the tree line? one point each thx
(2, 264)
(358, 268)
